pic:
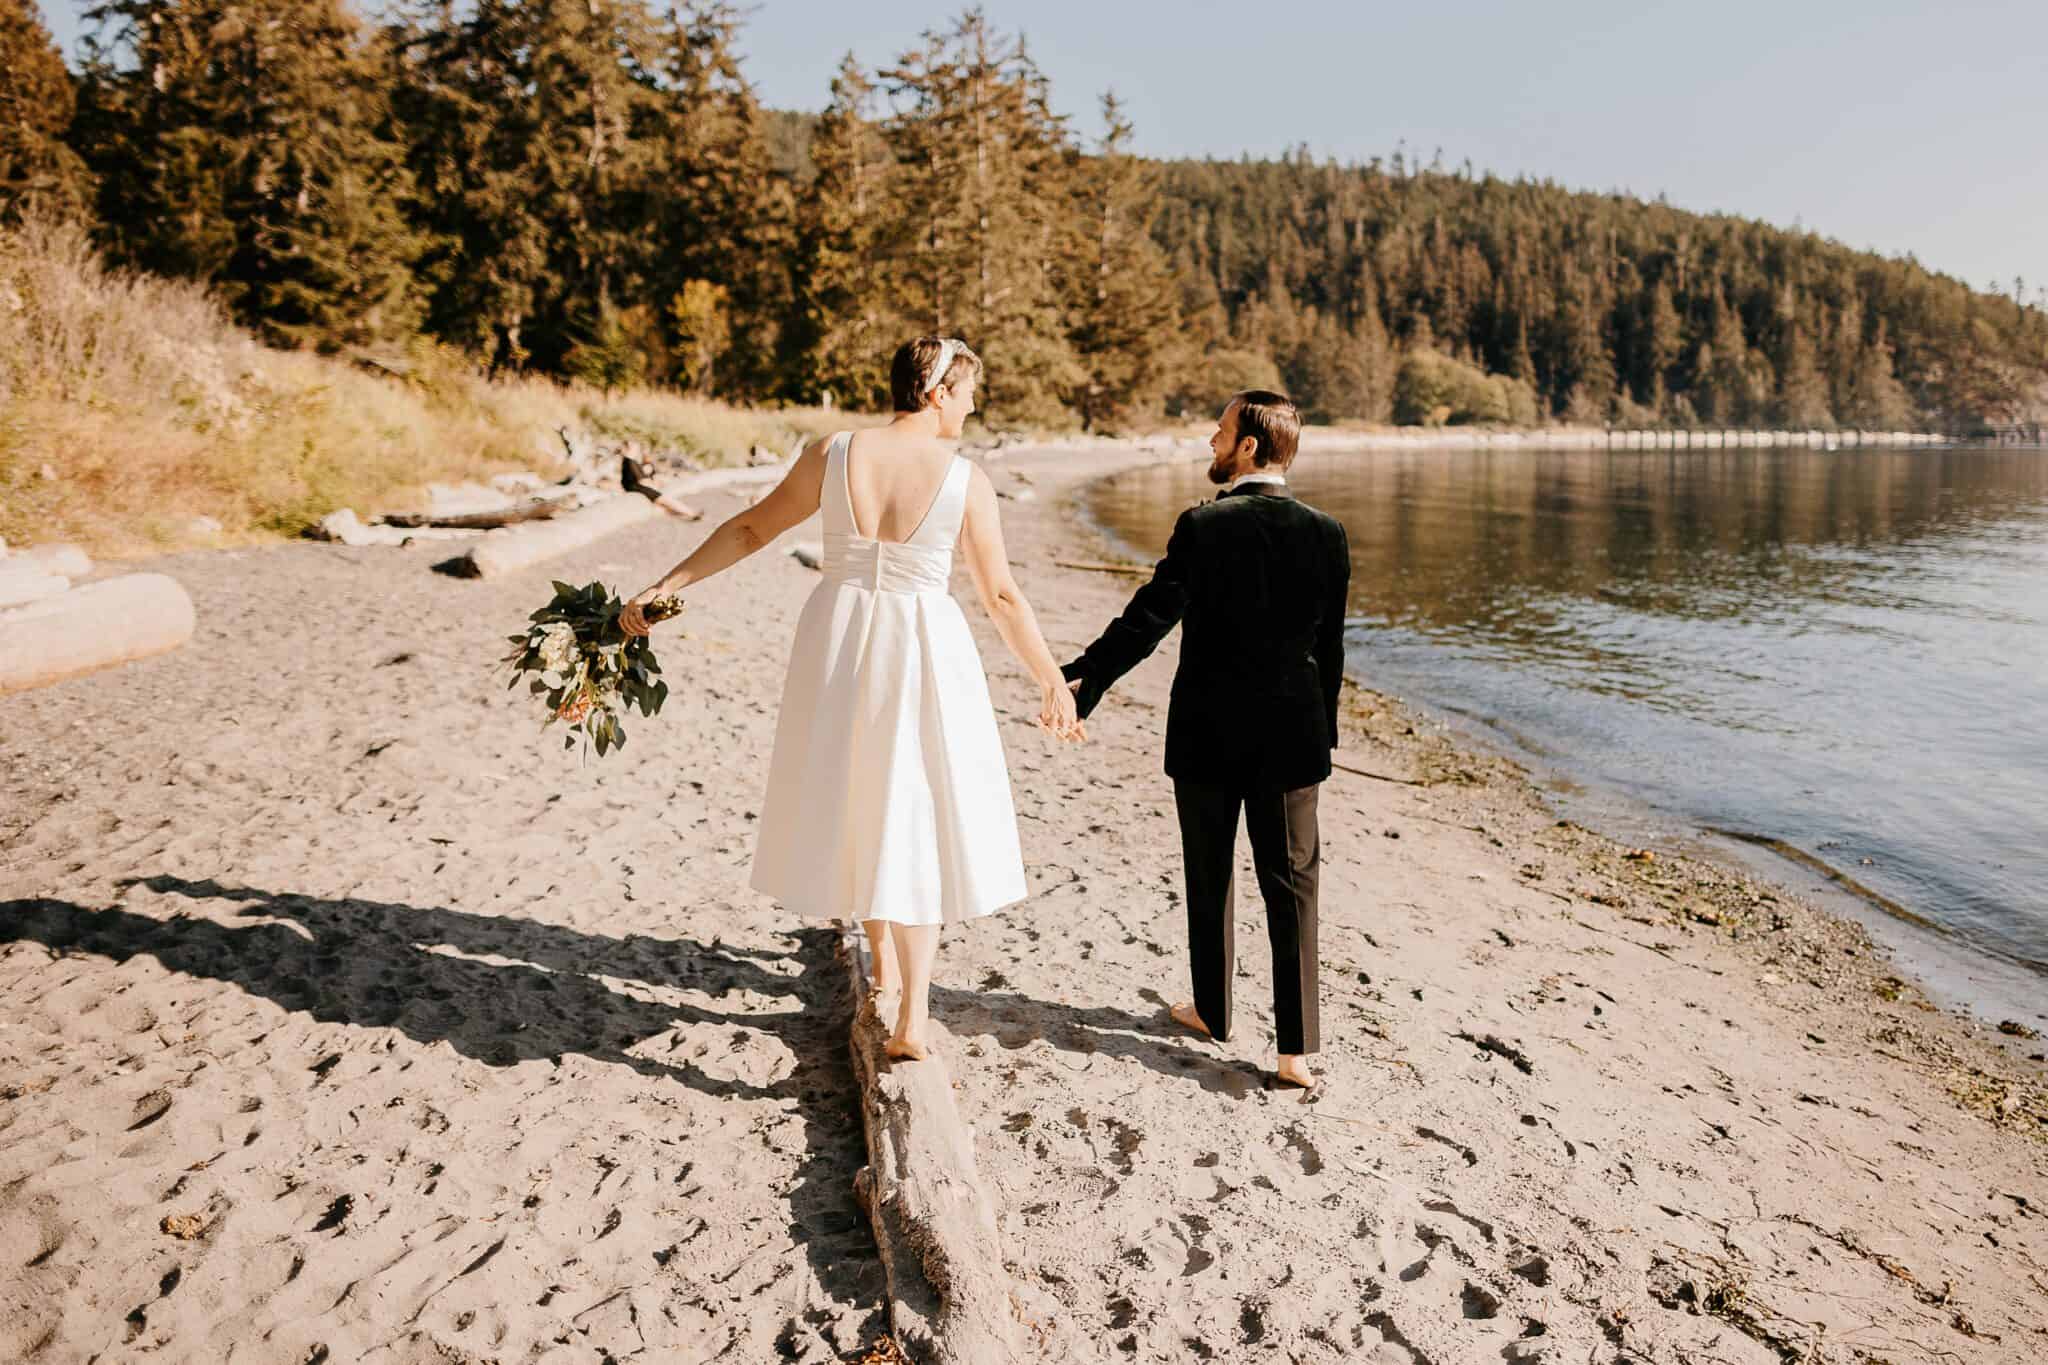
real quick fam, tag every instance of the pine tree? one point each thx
(611, 357)
(985, 162)
(1878, 401)
(1374, 356)
(848, 324)
(1583, 381)
(1802, 399)
(1123, 311)
(39, 173)
(1336, 373)
(1660, 344)
(244, 147)
(726, 217)
(534, 139)
(1725, 389)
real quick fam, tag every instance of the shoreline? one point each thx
(333, 983)
(1319, 437)
(1978, 982)
(1797, 979)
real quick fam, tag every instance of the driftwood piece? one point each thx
(951, 1301)
(345, 527)
(519, 547)
(537, 509)
(1101, 568)
(19, 586)
(114, 621)
(711, 480)
(1378, 777)
(61, 561)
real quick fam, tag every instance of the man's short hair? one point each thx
(911, 380)
(1273, 421)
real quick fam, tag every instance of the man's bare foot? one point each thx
(906, 1050)
(1294, 1071)
(1188, 1017)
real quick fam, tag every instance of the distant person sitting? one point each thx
(634, 476)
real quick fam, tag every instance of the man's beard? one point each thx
(1219, 473)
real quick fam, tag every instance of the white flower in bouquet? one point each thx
(558, 648)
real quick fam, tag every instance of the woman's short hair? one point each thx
(1273, 421)
(911, 379)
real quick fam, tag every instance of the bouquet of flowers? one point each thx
(575, 655)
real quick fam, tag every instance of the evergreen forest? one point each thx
(592, 189)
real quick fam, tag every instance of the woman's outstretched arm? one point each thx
(989, 564)
(740, 535)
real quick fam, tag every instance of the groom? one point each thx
(1259, 579)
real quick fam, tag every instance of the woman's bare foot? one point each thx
(1188, 1017)
(906, 1049)
(1294, 1071)
(885, 975)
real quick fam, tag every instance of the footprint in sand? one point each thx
(1430, 1134)
(1305, 1151)
(1128, 1140)
(31, 1232)
(149, 1109)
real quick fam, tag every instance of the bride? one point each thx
(888, 798)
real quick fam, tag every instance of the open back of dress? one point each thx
(888, 796)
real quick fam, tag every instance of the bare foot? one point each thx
(1294, 1071)
(906, 1050)
(1186, 1016)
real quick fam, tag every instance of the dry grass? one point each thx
(131, 407)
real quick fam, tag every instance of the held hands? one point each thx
(1057, 715)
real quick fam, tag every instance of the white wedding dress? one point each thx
(888, 797)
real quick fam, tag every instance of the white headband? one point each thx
(947, 348)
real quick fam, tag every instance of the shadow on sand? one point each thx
(539, 996)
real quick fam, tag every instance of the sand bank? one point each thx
(345, 1013)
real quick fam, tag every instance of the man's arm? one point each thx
(1330, 631)
(1154, 610)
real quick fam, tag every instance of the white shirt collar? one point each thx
(1256, 476)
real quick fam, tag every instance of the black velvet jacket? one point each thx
(1257, 579)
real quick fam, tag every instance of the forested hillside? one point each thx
(591, 188)
(1610, 308)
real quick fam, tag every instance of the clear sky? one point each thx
(1903, 127)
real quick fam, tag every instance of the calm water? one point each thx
(1847, 651)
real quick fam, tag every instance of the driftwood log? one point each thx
(538, 509)
(1133, 569)
(520, 547)
(62, 561)
(26, 583)
(951, 1301)
(114, 621)
(1377, 777)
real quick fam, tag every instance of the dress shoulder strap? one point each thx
(834, 500)
(949, 510)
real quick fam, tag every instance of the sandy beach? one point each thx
(350, 1019)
